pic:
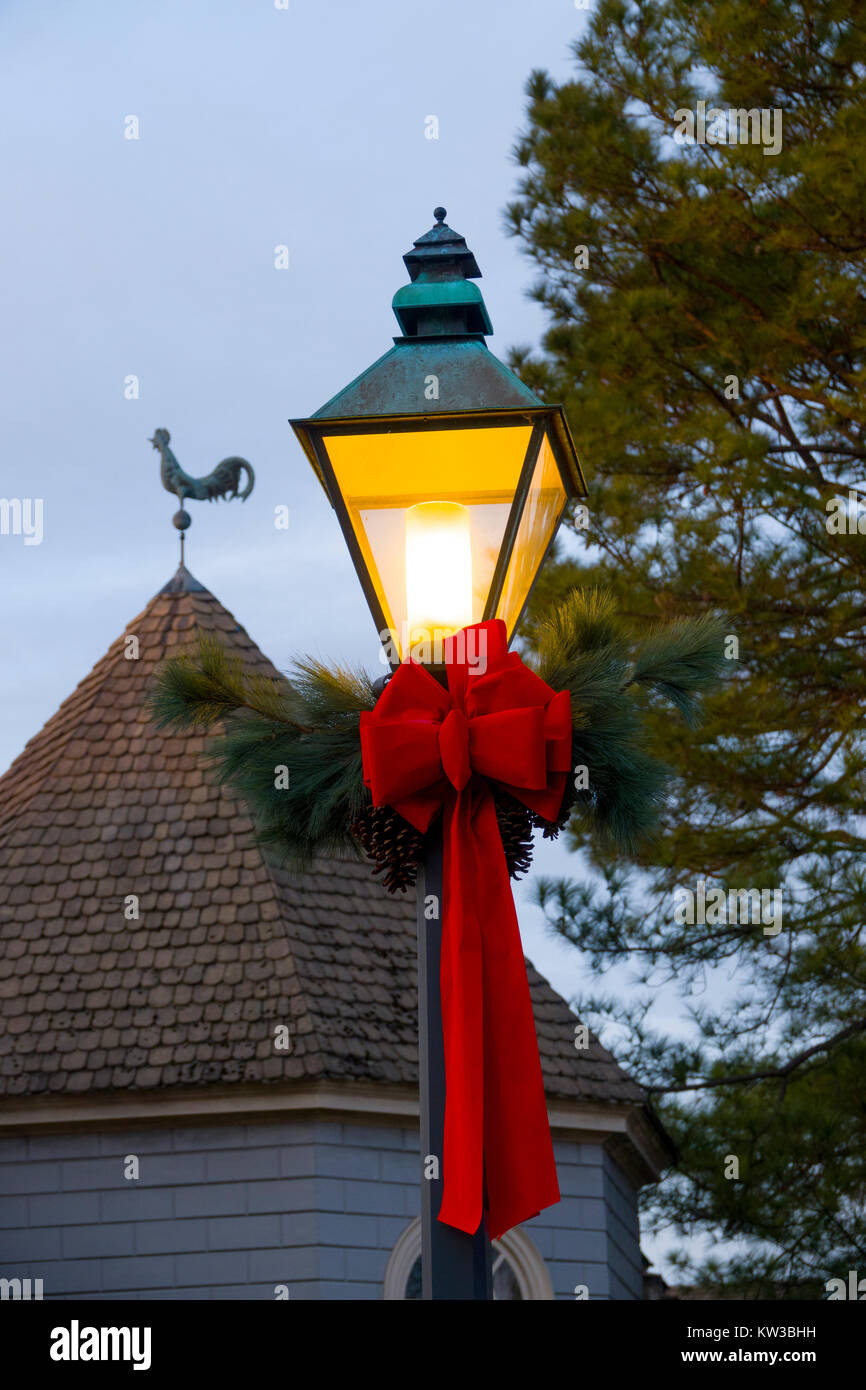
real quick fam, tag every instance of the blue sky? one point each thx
(154, 258)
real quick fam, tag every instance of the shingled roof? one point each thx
(100, 808)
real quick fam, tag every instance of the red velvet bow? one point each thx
(423, 748)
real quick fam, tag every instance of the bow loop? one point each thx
(509, 747)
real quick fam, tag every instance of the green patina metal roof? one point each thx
(468, 375)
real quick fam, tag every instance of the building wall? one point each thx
(591, 1238)
(623, 1247)
(231, 1211)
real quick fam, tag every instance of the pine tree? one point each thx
(706, 333)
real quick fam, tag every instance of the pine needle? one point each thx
(682, 660)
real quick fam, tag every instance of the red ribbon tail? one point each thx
(496, 1124)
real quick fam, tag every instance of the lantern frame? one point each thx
(545, 420)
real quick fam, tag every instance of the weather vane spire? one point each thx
(224, 481)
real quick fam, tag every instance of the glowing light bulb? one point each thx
(438, 569)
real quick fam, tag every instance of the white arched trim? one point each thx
(529, 1268)
(403, 1256)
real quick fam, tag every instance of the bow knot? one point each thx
(454, 748)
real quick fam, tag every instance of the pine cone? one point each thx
(552, 829)
(392, 843)
(515, 829)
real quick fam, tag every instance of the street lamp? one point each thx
(449, 477)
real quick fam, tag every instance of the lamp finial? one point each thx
(440, 302)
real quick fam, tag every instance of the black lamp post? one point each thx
(450, 478)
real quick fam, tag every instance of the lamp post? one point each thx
(449, 477)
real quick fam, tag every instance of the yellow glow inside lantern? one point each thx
(438, 570)
(447, 517)
(387, 480)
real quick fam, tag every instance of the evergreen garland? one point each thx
(309, 726)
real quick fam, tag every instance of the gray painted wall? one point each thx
(229, 1211)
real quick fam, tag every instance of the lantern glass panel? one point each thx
(544, 506)
(431, 566)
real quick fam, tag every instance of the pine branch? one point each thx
(197, 689)
(291, 750)
(331, 693)
(581, 646)
(768, 1073)
(680, 661)
(581, 624)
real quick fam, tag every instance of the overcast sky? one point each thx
(154, 258)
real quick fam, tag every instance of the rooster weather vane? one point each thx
(224, 481)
